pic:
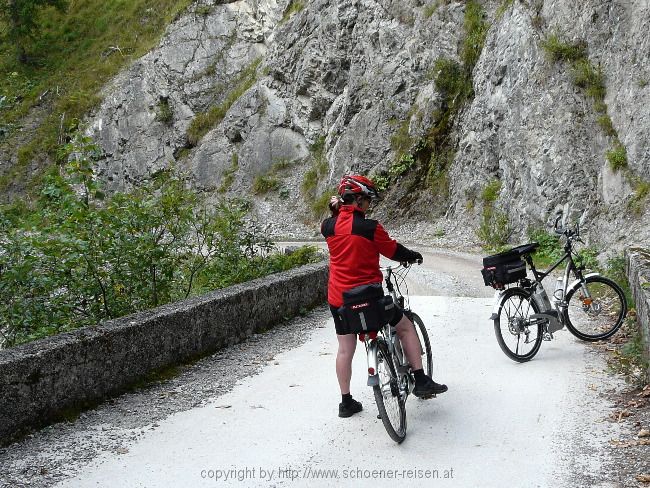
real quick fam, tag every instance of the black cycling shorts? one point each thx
(338, 321)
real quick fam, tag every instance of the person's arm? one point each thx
(392, 249)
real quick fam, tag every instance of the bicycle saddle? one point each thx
(511, 254)
(525, 248)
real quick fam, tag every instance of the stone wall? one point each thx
(41, 380)
(638, 272)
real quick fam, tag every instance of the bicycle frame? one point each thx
(393, 342)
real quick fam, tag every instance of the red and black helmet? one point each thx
(357, 185)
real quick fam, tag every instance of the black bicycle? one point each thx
(389, 372)
(592, 306)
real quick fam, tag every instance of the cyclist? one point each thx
(355, 244)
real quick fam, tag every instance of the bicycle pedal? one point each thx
(547, 336)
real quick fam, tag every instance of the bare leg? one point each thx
(410, 342)
(347, 346)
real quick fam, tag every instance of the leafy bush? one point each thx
(401, 141)
(476, 29)
(495, 229)
(450, 79)
(617, 157)
(165, 113)
(203, 122)
(264, 183)
(381, 181)
(293, 7)
(78, 258)
(564, 51)
(401, 166)
(503, 7)
(550, 247)
(491, 192)
(605, 123)
(640, 197)
(590, 78)
(430, 9)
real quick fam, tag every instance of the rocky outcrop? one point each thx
(351, 73)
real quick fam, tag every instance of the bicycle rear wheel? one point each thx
(425, 344)
(518, 338)
(387, 395)
(598, 316)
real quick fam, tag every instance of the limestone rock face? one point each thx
(338, 82)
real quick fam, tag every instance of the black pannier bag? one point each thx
(505, 268)
(366, 309)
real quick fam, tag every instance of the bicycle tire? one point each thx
(515, 324)
(425, 344)
(387, 391)
(607, 297)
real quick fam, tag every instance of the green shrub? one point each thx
(293, 7)
(503, 7)
(401, 166)
(605, 123)
(165, 114)
(320, 205)
(204, 10)
(495, 229)
(430, 9)
(617, 157)
(563, 51)
(401, 141)
(450, 79)
(263, 184)
(79, 258)
(437, 174)
(381, 181)
(476, 29)
(550, 247)
(641, 191)
(491, 192)
(203, 122)
(590, 78)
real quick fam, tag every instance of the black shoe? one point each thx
(348, 409)
(428, 388)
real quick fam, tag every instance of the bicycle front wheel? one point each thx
(388, 396)
(425, 344)
(596, 309)
(518, 338)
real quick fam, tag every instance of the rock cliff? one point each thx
(278, 98)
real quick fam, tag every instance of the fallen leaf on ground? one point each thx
(621, 415)
(122, 450)
(646, 392)
(643, 433)
(632, 443)
(223, 406)
(643, 478)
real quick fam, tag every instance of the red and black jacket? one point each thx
(355, 244)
